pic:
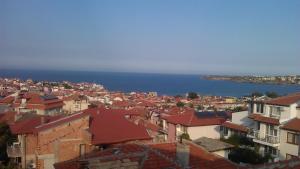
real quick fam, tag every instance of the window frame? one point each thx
(291, 156)
(295, 137)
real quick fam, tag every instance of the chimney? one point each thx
(183, 154)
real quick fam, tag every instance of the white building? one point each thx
(268, 129)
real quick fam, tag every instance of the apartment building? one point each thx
(270, 128)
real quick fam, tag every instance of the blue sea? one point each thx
(164, 84)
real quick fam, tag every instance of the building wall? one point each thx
(241, 118)
(62, 142)
(286, 148)
(71, 106)
(171, 132)
(212, 131)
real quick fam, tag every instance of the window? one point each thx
(289, 156)
(257, 108)
(258, 125)
(270, 150)
(271, 130)
(225, 131)
(261, 108)
(292, 138)
(82, 150)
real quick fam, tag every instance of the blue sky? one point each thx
(159, 36)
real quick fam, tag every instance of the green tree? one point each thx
(272, 94)
(6, 137)
(246, 155)
(192, 95)
(180, 104)
(185, 136)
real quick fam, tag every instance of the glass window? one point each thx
(292, 138)
(289, 156)
(225, 131)
(257, 107)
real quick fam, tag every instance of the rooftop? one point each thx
(293, 125)
(212, 145)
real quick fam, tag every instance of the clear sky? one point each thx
(160, 36)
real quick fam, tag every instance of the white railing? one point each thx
(266, 138)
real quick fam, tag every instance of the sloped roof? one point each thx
(28, 126)
(7, 100)
(154, 156)
(284, 100)
(235, 126)
(109, 127)
(190, 119)
(293, 125)
(59, 121)
(7, 117)
(212, 145)
(260, 118)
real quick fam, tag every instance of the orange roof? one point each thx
(8, 117)
(190, 119)
(235, 126)
(284, 100)
(155, 156)
(293, 125)
(7, 100)
(260, 118)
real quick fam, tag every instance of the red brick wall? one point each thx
(64, 140)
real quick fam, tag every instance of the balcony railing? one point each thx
(266, 138)
(253, 133)
(14, 150)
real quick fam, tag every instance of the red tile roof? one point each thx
(260, 118)
(153, 156)
(7, 100)
(28, 126)
(235, 126)
(7, 117)
(59, 121)
(293, 125)
(284, 100)
(190, 119)
(109, 127)
(35, 101)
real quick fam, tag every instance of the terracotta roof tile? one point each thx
(190, 119)
(293, 125)
(109, 127)
(284, 100)
(260, 118)
(235, 126)
(28, 126)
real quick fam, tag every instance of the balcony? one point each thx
(275, 115)
(14, 150)
(266, 139)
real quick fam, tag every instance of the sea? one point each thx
(163, 84)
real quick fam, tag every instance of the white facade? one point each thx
(212, 131)
(271, 138)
